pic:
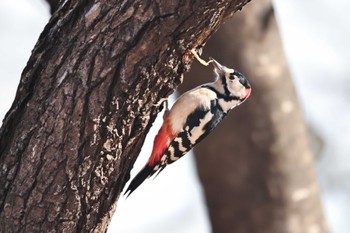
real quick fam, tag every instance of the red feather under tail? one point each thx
(161, 143)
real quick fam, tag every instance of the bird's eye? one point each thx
(232, 76)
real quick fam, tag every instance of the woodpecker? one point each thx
(192, 117)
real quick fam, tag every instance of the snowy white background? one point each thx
(315, 33)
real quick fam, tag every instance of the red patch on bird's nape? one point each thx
(248, 91)
(161, 143)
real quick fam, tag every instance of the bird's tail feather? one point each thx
(146, 172)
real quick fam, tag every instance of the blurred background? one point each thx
(255, 172)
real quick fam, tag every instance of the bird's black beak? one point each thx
(216, 64)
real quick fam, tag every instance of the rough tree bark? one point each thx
(85, 103)
(257, 169)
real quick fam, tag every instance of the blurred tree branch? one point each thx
(85, 103)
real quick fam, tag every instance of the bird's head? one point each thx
(233, 82)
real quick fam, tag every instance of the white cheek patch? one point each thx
(236, 88)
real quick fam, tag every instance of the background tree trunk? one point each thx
(85, 103)
(256, 167)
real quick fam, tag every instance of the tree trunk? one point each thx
(256, 167)
(85, 103)
(54, 4)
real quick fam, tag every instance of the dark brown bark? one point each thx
(256, 167)
(85, 103)
(53, 5)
